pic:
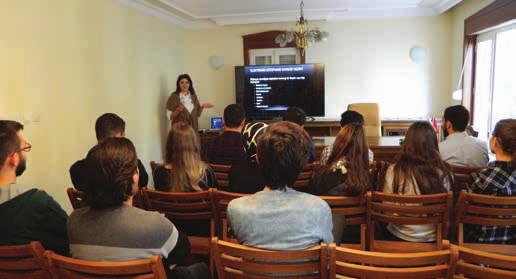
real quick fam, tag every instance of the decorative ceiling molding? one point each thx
(171, 12)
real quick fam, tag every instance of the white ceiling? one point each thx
(212, 13)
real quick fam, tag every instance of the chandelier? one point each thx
(303, 35)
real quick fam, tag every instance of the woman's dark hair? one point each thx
(505, 133)
(351, 116)
(187, 77)
(282, 152)
(351, 145)
(296, 115)
(421, 161)
(111, 165)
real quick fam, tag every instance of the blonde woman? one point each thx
(184, 171)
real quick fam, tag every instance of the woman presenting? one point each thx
(183, 103)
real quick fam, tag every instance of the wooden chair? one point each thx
(486, 210)
(303, 179)
(471, 263)
(76, 198)
(221, 200)
(461, 178)
(68, 268)
(222, 175)
(23, 262)
(351, 263)
(354, 211)
(176, 206)
(239, 261)
(408, 210)
(460, 182)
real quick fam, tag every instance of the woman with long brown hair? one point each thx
(184, 171)
(183, 103)
(345, 173)
(418, 170)
(347, 169)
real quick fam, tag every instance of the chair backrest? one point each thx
(181, 206)
(461, 178)
(239, 261)
(486, 210)
(23, 261)
(479, 264)
(221, 200)
(68, 268)
(408, 210)
(371, 113)
(154, 165)
(351, 263)
(354, 211)
(76, 198)
(222, 174)
(303, 179)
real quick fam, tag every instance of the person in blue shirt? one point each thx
(279, 217)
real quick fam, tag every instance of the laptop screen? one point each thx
(216, 123)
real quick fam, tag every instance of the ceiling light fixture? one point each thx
(303, 35)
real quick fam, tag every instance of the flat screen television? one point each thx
(266, 92)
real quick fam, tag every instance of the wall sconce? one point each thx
(418, 54)
(216, 62)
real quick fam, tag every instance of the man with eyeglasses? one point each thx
(26, 214)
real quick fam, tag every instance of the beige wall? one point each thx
(68, 62)
(459, 14)
(72, 60)
(366, 60)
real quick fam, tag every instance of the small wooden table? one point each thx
(384, 148)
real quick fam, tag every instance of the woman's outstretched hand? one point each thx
(206, 105)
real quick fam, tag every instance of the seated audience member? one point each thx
(26, 214)
(107, 125)
(297, 115)
(280, 217)
(346, 173)
(498, 179)
(347, 170)
(110, 229)
(349, 116)
(227, 148)
(184, 171)
(459, 148)
(246, 176)
(418, 170)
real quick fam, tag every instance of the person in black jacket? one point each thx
(246, 176)
(108, 125)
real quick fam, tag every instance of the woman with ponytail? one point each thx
(498, 179)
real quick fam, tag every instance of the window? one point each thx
(270, 56)
(495, 85)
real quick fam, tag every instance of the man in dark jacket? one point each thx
(107, 125)
(26, 214)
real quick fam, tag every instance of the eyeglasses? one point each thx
(27, 148)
